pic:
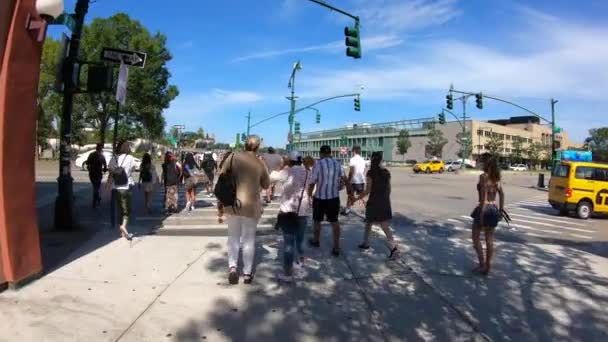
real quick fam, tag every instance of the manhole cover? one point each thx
(440, 231)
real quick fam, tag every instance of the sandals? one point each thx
(394, 253)
(233, 276)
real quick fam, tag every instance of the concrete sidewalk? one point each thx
(174, 288)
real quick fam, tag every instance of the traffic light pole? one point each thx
(248, 123)
(550, 122)
(64, 201)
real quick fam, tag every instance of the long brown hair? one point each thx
(492, 170)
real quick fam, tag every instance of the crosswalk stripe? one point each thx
(521, 226)
(538, 217)
(582, 236)
(208, 226)
(554, 226)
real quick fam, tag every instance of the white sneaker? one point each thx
(192, 206)
(285, 278)
(188, 206)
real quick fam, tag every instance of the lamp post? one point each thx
(64, 201)
(292, 99)
(553, 102)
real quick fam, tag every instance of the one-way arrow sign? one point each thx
(131, 58)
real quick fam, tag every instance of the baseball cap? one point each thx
(295, 156)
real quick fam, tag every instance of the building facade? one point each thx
(383, 137)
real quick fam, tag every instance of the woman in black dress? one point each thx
(378, 209)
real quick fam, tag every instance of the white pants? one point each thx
(241, 230)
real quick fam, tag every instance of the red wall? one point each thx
(19, 240)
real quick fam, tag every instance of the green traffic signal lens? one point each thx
(353, 52)
(351, 31)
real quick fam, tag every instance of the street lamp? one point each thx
(291, 85)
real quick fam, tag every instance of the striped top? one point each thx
(327, 175)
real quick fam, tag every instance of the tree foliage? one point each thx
(517, 151)
(148, 89)
(466, 144)
(403, 142)
(598, 143)
(434, 146)
(535, 151)
(494, 145)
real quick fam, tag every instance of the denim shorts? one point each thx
(491, 216)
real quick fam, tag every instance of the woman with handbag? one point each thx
(190, 180)
(293, 211)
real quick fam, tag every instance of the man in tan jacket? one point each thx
(251, 177)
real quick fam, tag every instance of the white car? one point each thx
(453, 166)
(518, 167)
(107, 154)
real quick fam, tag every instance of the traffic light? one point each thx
(243, 137)
(442, 118)
(357, 104)
(296, 127)
(479, 100)
(353, 41)
(449, 101)
(318, 118)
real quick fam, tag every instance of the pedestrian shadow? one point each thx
(534, 293)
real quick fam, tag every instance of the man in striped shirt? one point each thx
(328, 177)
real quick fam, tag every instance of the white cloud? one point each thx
(190, 106)
(401, 16)
(571, 65)
(370, 44)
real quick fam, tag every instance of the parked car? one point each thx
(518, 167)
(453, 166)
(430, 166)
(107, 154)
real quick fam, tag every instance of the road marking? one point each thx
(554, 226)
(539, 217)
(582, 236)
(188, 218)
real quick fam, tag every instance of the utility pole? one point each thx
(292, 100)
(248, 123)
(64, 201)
(465, 140)
(553, 102)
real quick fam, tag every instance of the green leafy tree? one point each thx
(434, 145)
(403, 142)
(597, 142)
(494, 145)
(200, 133)
(49, 101)
(148, 89)
(517, 151)
(466, 144)
(534, 153)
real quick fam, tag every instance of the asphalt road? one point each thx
(447, 200)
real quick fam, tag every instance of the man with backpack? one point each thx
(97, 166)
(241, 179)
(171, 179)
(209, 165)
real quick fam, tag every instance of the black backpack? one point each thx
(171, 174)
(225, 189)
(208, 162)
(119, 174)
(146, 174)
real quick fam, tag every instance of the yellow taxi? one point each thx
(579, 186)
(430, 166)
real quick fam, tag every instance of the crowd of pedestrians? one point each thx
(302, 186)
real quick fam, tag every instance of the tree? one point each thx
(148, 89)
(517, 151)
(403, 142)
(49, 101)
(434, 146)
(534, 153)
(494, 145)
(200, 133)
(598, 143)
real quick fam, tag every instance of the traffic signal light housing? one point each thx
(296, 127)
(449, 99)
(318, 118)
(353, 41)
(357, 104)
(479, 100)
(442, 118)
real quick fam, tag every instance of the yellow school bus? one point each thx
(579, 186)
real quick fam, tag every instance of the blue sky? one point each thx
(234, 56)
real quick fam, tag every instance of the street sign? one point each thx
(121, 87)
(130, 58)
(344, 150)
